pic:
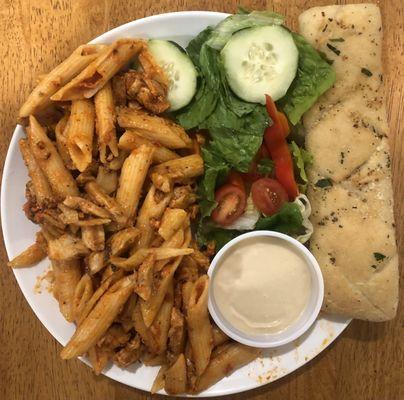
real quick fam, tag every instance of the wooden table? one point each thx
(366, 362)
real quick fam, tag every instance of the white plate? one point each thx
(19, 233)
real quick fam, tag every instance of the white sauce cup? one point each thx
(300, 326)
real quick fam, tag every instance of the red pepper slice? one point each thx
(278, 149)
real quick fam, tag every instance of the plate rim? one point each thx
(3, 214)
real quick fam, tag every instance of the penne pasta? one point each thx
(80, 133)
(105, 285)
(230, 357)
(140, 255)
(199, 327)
(172, 220)
(130, 140)
(61, 131)
(153, 128)
(161, 324)
(175, 378)
(59, 76)
(152, 208)
(32, 255)
(145, 277)
(144, 332)
(66, 248)
(42, 189)
(219, 337)
(158, 383)
(105, 122)
(177, 333)
(93, 237)
(133, 174)
(183, 197)
(67, 275)
(100, 318)
(82, 294)
(100, 71)
(49, 161)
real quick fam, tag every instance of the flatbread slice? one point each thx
(350, 181)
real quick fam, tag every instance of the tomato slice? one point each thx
(284, 122)
(268, 195)
(231, 201)
(235, 178)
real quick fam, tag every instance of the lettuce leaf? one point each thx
(314, 77)
(288, 220)
(225, 29)
(302, 159)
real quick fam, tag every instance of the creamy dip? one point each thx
(262, 285)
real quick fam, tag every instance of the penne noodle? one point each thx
(133, 175)
(40, 184)
(130, 141)
(67, 276)
(100, 71)
(93, 222)
(107, 179)
(152, 207)
(86, 206)
(219, 337)
(160, 288)
(80, 133)
(156, 129)
(172, 220)
(161, 324)
(145, 277)
(199, 327)
(125, 317)
(100, 318)
(93, 237)
(175, 378)
(109, 203)
(49, 161)
(105, 285)
(139, 256)
(186, 294)
(144, 332)
(177, 170)
(122, 241)
(158, 383)
(230, 357)
(95, 262)
(177, 333)
(32, 255)
(66, 248)
(175, 241)
(82, 294)
(105, 122)
(61, 131)
(58, 77)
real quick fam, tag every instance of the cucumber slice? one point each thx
(180, 71)
(260, 61)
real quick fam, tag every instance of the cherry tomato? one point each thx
(231, 201)
(268, 195)
(236, 179)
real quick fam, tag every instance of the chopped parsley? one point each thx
(323, 183)
(373, 266)
(337, 40)
(366, 72)
(334, 49)
(379, 256)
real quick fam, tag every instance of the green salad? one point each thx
(245, 84)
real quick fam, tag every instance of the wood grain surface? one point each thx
(365, 363)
